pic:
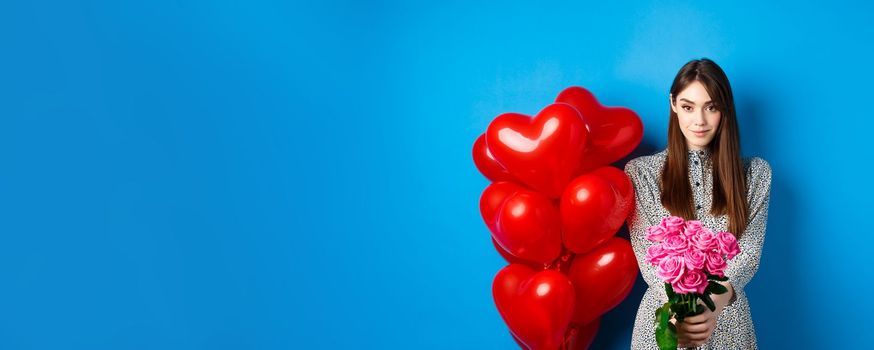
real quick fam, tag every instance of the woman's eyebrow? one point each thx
(693, 102)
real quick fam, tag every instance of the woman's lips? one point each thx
(700, 133)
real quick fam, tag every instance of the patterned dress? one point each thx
(734, 326)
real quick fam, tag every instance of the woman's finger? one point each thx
(696, 328)
(697, 318)
(696, 337)
(690, 335)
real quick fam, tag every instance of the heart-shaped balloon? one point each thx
(486, 163)
(602, 278)
(543, 152)
(536, 305)
(581, 337)
(519, 342)
(491, 200)
(529, 227)
(624, 190)
(507, 256)
(587, 203)
(613, 131)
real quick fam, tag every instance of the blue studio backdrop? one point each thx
(285, 175)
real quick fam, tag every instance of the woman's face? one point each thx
(698, 117)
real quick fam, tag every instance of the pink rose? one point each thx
(692, 228)
(655, 254)
(656, 233)
(671, 269)
(692, 282)
(705, 240)
(673, 224)
(675, 244)
(715, 264)
(694, 259)
(727, 244)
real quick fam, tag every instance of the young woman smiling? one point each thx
(702, 176)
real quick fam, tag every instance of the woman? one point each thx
(701, 176)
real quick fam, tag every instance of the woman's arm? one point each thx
(638, 220)
(724, 299)
(741, 269)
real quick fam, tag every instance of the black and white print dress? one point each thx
(734, 326)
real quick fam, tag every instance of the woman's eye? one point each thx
(687, 108)
(712, 108)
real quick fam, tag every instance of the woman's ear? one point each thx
(671, 102)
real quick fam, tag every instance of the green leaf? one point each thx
(678, 308)
(709, 302)
(716, 288)
(669, 291)
(665, 332)
(717, 278)
(694, 308)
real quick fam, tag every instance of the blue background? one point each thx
(274, 175)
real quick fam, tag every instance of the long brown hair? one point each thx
(729, 181)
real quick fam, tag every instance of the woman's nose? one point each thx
(699, 117)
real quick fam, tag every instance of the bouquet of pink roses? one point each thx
(690, 259)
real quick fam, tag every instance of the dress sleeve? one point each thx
(639, 220)
(741, 269)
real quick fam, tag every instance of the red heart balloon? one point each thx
(543, 152)
(585, 206)
(602, 279)
(486, 163)
(529, 227)
(519, 342)
(581, 337)
(507, 256)
(613, 131)
(537, 306)
(624, 191)
(491, 200)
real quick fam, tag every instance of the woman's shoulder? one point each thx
(758, 169)
(647, 163)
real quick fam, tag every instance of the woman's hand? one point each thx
(696, 330)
